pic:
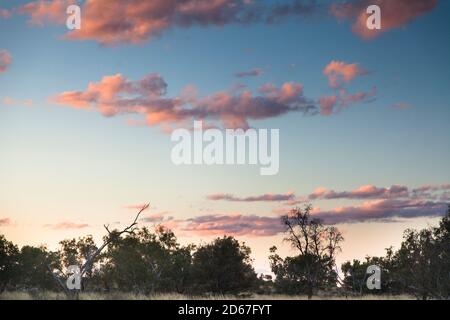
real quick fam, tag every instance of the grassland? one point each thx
(47, 295)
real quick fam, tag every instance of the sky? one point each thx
(86, 117)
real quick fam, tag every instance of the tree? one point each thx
(355, 274)
(146, 262)
(32, 268)
(423, 261)
(223, 266)
(93, 253)
(8, 263)
(314, 267)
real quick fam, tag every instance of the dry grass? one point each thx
(47, 295)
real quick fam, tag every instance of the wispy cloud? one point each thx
(5, 222)
(5, 60)
(157, 217)
(402, 106)
(382, 210)
(250, 73)
(339, 74)
(235, 224)
(363, 192)
(5, 13)
(9, 101)
(66, 226)
(272, 197)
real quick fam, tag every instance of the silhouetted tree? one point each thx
(8, 263)
(423, 261)
(147, 262)
(314, 267)
(223, 266)
(33, 265)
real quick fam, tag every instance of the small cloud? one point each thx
(4, 13)
(339, 72)
(250, 73)
(66, 226)
(5, 222)
(134, 206)
(402, 106)
(157, 217)
(9, 101)
(5, 60)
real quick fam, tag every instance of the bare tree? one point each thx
(93, 256)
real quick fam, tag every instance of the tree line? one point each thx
(143, 261)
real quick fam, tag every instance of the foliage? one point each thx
(144, 262)
(314, 267)
(223, 266)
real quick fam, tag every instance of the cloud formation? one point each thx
(45, 11)
(363, 192)
(115, 95)
(339, 74)
(382, 210)
(236, 225)
(135, 21)
(394, 14)
(5, 60)
(4, 13)
(272, 197)
(157, 217)
(250, 73)
(66, 226)
(5, 222)
(9, 101)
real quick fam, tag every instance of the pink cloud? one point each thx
(9, 101)
(4, 13)
(157, 217)
(363, 192)
(5, 222)
(339, 72)
(330, 105)
(149, 19)
(67, 226)
(327, 105)
(115, 95)
(234, 225)
(5, 60)
(394, 14)
(382, 210)
(135, 206)
(265, 197)
(43, 11)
